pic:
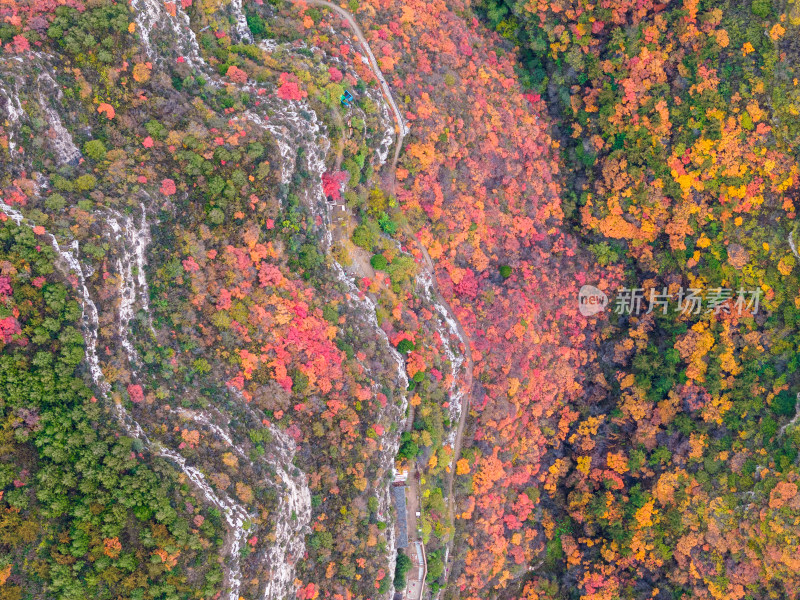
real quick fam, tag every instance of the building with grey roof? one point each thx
(399, 498)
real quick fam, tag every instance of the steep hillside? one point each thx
(260, 262)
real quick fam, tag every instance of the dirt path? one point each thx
(467, 389)
(400, 126)
(413, 505)
(402, 130)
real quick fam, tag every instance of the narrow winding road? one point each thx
(402, 131)
(467, 389)
(400, 125)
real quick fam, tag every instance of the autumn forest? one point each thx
(399, 299)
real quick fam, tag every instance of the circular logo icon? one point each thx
(591, 300)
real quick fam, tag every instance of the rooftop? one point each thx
(399, 499)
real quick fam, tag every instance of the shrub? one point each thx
(84, 183)
(401, 569)
(783, 404)
(408, 447)
(299, 382)
(95, 149)
(62, 184)
(216, 216)
(310, 259)
(387, 225)
(362, 237)
(256, 25)
(55, 202)
(435, 567)
(379, 262)
(330, 313)
(761, 8)
(377, 202)
(156, 129)
(604, 253)
(405, 346)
